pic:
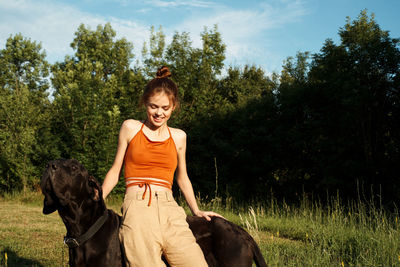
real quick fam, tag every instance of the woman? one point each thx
(153, 224)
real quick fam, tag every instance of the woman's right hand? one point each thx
(207, 214)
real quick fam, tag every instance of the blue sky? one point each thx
(261, 33)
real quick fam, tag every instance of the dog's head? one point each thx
(67, 182)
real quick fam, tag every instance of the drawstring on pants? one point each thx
(147, 184)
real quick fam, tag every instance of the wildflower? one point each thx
(277, 234)
(342, 264)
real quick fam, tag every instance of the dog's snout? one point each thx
(54, 166)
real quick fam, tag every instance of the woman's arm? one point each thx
(183, 180)
(125, 134)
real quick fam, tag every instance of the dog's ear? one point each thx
(94, 189)
(49, 206)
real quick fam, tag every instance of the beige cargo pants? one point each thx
(147, 232)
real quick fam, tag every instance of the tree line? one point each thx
(328, 122)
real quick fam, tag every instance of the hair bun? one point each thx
(163, 72)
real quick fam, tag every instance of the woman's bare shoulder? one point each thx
(178, 133)
(179, 137)
(131, 124)
(130, 128)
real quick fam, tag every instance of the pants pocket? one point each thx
(125, 207)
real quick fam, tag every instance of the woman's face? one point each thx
(159, 109)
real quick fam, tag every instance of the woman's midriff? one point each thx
(137, 188)
(148, 185)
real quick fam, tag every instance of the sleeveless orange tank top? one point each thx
(145, 158)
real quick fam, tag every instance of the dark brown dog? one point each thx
(92, 229)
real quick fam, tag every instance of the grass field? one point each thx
(303, 235)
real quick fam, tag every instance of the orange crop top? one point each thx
(145, 158)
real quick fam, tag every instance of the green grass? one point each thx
(29, 238)
(307, 234)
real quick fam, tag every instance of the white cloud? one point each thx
(181, 3)
(54, 25)
(134, 32)
(243, 30)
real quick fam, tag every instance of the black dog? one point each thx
(92, 229)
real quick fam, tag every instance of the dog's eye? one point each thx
(74, 168)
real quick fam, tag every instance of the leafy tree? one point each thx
(236, 141)
(154, 55)
(23, 102)
(205, 97)
(295, 128)
(295, 72)
(240, 86)
(183, 60)
(92, 88)
(358, 87)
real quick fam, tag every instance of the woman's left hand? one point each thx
(207, 214)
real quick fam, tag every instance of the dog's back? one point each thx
(225, 243)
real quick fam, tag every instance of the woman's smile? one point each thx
(159, 109)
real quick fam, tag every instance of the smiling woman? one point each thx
(160, 98)
(152, 153)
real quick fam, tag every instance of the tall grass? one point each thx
(308, 233)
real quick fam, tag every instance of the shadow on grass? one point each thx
(11, 259)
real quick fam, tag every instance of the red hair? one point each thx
(161, 84)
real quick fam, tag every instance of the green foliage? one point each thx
(328, 124)
(23, 113)
(356, 89)
(295, 72)
(153, 55)
(93, 90)
(241, 86)
(238, 137)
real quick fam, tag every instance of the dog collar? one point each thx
(72, 242)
